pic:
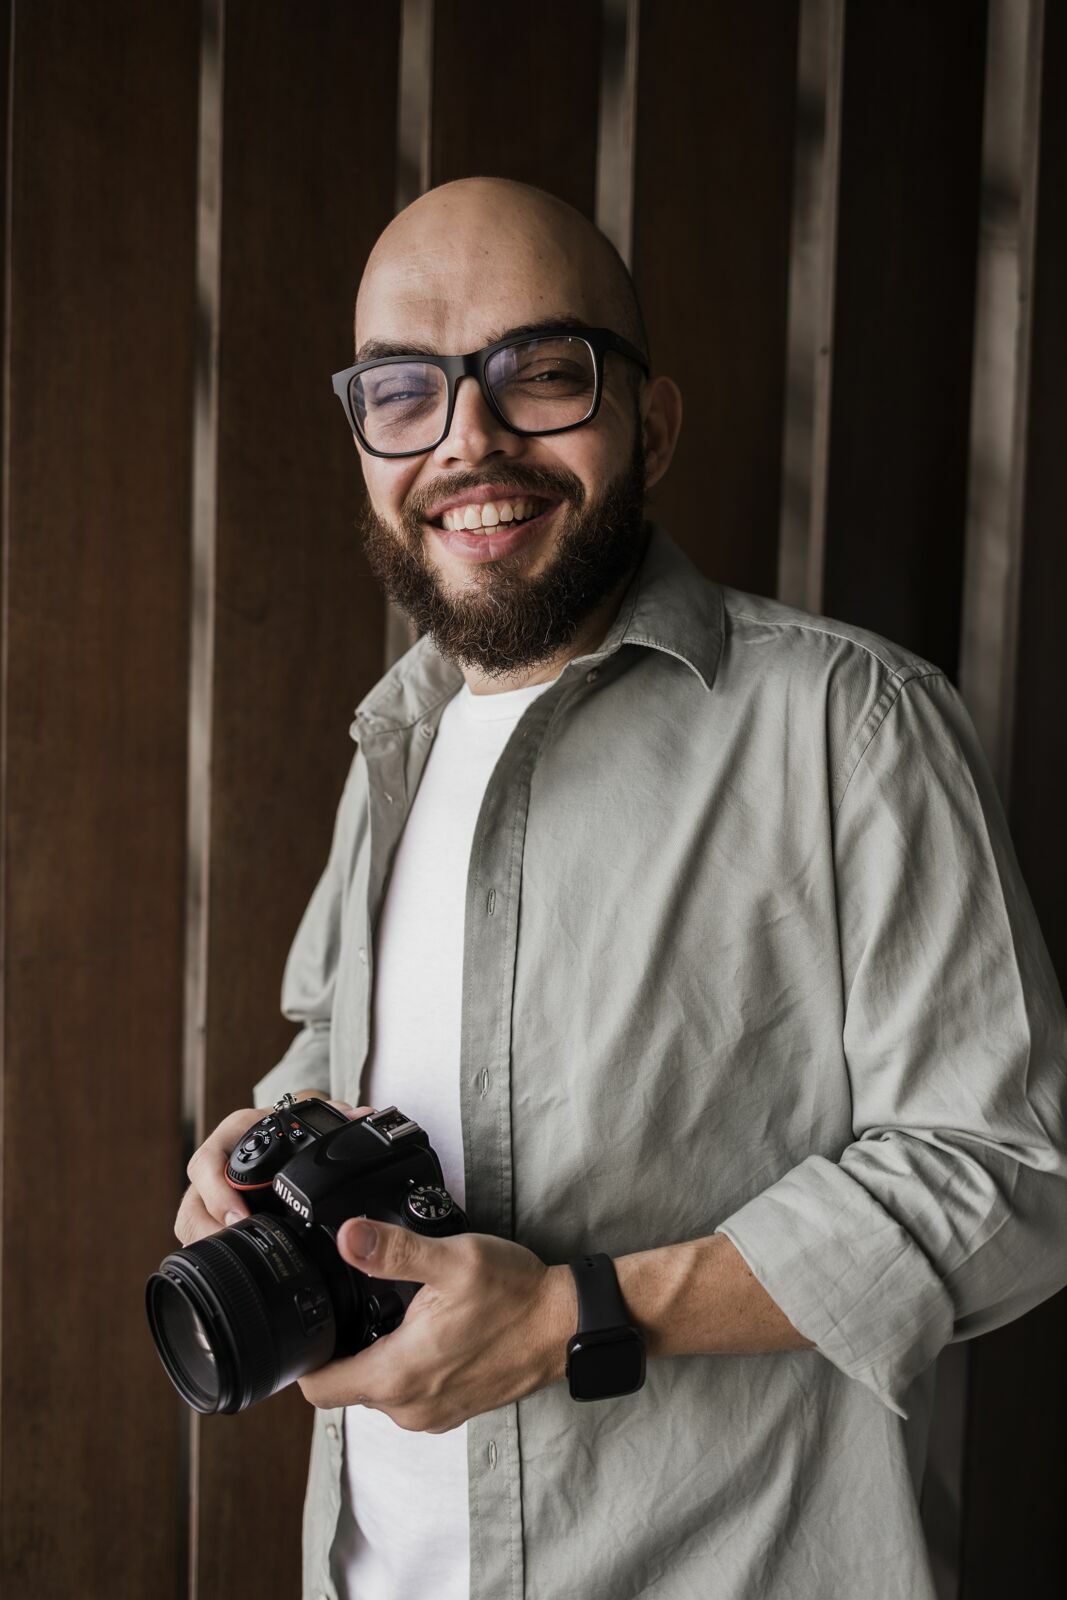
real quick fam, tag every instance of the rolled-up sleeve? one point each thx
(947, 1214)
(310, 973)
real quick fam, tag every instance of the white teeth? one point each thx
(489, 515)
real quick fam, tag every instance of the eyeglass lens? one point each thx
(538, 385)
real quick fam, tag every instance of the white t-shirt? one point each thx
(404, 1528)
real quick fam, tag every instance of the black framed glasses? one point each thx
(532, 383)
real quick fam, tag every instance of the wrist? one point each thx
(559, 1319)
(606, 1357)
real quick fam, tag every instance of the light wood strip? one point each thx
(1000, 392)
(812, 277)
(618, 124)
(414, 122)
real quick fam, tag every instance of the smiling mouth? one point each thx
(492, 515)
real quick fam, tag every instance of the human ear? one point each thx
(661, 423)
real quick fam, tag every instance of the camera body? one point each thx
(238, 1315)
(308, 1160)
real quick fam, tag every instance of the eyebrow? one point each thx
(379, 349)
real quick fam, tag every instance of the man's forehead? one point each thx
(375, 346)
(450, 302)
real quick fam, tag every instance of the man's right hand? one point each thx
(210, 1204)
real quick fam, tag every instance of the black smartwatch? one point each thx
(606, 1357)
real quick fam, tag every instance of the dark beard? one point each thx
(505, 622)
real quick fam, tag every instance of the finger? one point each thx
(193, 1221)
(359, 1380)
(383, 1250)
(207, 1169)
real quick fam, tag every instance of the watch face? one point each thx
(599, 1367)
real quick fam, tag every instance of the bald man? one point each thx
(687, 926)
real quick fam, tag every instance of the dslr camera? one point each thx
(240, 1314)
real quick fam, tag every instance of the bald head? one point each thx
(470, 260)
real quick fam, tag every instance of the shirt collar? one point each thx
(669, 606)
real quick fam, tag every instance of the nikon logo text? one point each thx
(283, 1189)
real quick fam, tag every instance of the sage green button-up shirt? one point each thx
(746, 950)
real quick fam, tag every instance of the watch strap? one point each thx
(600, 1301)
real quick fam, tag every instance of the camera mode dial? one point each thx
(427, 1207)
(261, 1152)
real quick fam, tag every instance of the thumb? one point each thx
(383, 1250)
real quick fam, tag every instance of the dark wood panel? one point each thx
(100, 269)
(907, 229)
(5, 87)
(1039, 765)
(716, 94)
(1015, 1474)
(515, 94)
(1017, 1446)
(308, 177)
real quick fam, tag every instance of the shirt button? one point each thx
(592, 675)
(490, 904)
(331, 1430)
(491, 1452)
(362, 955)
(388, 799)
(427, 730)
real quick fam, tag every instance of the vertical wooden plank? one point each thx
(941, 1501)
(990, 539)
(991, 589)
(1000, 392)
(812, 270)
(308, 175)
(6, 34)
(203, 543)
(1038, 759)
(415, 95)
(98, 379)
(412, 179)
(716, 92)
(1017, 1456)
(537, 107)
(903, 320)
(618, 118)
(202, 638)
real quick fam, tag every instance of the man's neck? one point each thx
(589, 636)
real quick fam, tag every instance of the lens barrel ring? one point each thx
(243, 1304)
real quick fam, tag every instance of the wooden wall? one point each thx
(848, 225)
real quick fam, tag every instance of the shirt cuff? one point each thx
(847, 1275)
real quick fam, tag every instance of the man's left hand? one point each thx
(490, 1324)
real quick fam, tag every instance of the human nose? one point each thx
(475, 433)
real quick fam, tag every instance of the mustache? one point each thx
(552, 483)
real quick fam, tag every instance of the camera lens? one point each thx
(240, 1314)
(184, 1343)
